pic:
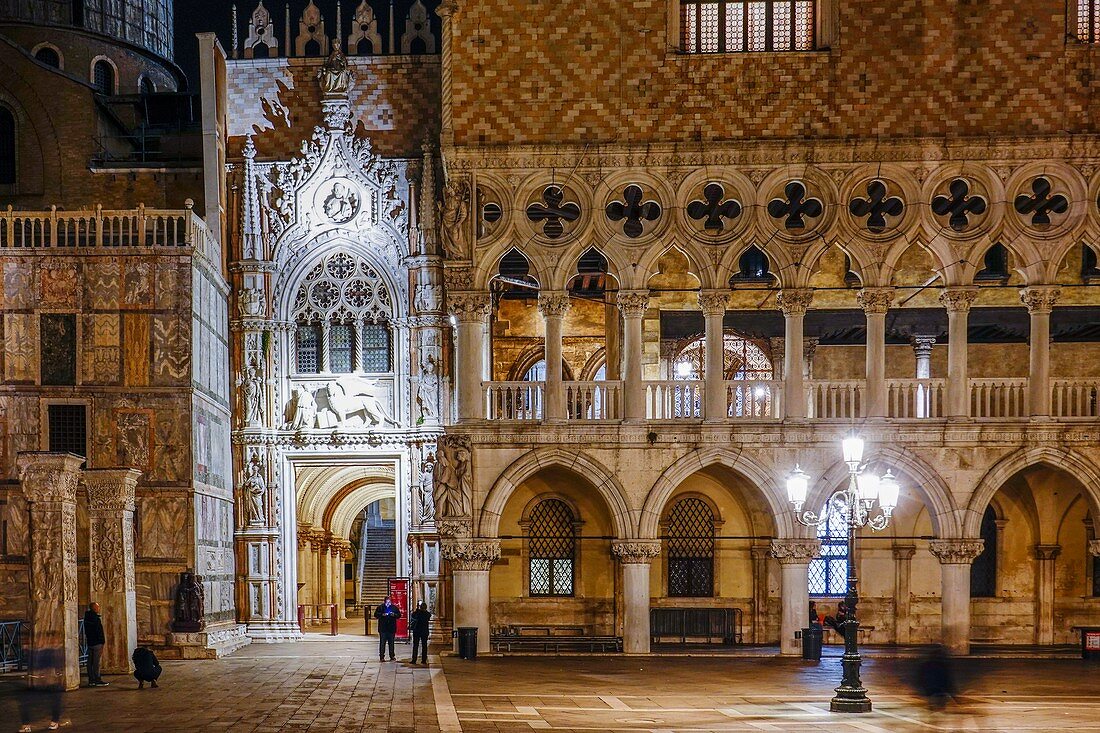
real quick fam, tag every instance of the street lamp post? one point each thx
(868, 501)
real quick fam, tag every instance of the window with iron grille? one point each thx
(551, 544)
(103, 77)
(828, 574)
(983, 571)
(68, 428)
(738, 27)
(376, 347)
(1088, 21)
(340, 347)
(690, 546)
(308, 342)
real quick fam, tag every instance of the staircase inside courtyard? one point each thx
(379, 560)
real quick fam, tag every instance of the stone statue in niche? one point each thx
(190, 604)
(334, 75)
(453, 212)
(425, 490)
(453, 481)
(251, 385)
(255, 488)
(427, 396)
(301, 411)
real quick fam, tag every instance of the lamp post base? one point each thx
(850, 700)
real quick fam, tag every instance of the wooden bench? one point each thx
(552, 639)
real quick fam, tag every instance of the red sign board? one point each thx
(1092, 641)
(399, 596)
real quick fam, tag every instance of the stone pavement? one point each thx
(337, 685)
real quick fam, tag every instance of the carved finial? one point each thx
(364, 27)
(233, 37)
(417, 27)
(261, 32)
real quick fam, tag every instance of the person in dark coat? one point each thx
(146, 667)
(387, 615)
(95, 639)
(837, 622)
(418, 627)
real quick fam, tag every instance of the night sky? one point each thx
(198, 16)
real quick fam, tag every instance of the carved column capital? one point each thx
(1040, 298)
(958, 299)
(471, 554)
(795, 551)
(794, 301)
(554, 304)
(111, 489)
(875, 300)
(956, 551)
(632, 303)
(713, 302)
(470, 307)
(49, 477)
(904, 552)
(1047, 552)
(922, 345)
(636, 552)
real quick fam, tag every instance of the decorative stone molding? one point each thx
(470, 307)
(794, 302)
(49, 477)
(1047, 552)
(795, 551)
(554, 304)
(1040, 298)
(958, 300)
(471, 554)
(904, 552)
(956, 552)
(713, 302)
(455, 527)
(111, 489)
(636, 552)
(633, 303)
(875, 300)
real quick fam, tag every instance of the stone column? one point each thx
(49, 482)
(957, 301)
(760, 593)
(903, 574)
(715, 402)
(471, 561)
(1044, 593)
(922, 350)
(633, 305)
(553, 305)
(875, 303)
(955, 556)
(1094, 550)
(794, 556)
(337, 551)
(635, 557)
(111, 561)
(324, 572)
(809, 350)
(794, 304)
(1040, 302)
(305, 563)
(471, 311)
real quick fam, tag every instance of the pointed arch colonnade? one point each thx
(916, 578)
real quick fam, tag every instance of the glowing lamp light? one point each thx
(852, 447)
(760, 393)
(798, 486)
(888, 491)
(869, 487)
(683, 369)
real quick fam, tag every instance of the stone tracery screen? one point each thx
(739, 27)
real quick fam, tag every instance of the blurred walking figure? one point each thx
(836, 623)
(936, 679)
(419, 620)
(47, 673)
(146, 667)
(93, 635)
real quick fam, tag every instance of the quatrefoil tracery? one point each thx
(876, 207)
(959, 205)
(1041, 204)
(714, 210)
(554, 212)
(796, 207)
(633, 212)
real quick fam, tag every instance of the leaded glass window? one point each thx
(340, 347)
(376, 347)
(551, 547)
(308, 338)
(753, 25)
(690, 541)
(983, 571)
(1088, 21)
(829, 573)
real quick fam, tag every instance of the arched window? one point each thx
(7, 147)
(690, 541)
(995, 265)
(829, 573)
(537, 372)
(146, 86)
(753, 267)
(983, 571)
(103, 77)
(49, 56)
(732, 26)
(343, 302)
(551, 546)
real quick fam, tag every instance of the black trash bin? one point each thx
(811, 643)
(467, 642)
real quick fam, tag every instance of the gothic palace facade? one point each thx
(573, 295)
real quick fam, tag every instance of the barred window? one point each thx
(551, 547)
(1088, 21)
(376, 347)
(103, 77)
(340, 347)
(829, 573)
(690, 541)
(308, 337)
(737, 27)
(983, 571)
(68, 429)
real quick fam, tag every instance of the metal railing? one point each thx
(12, 657)
(754, 400)
(674, 399)
(695, 625)
(916, 397)
(998, 398)
(593, 400)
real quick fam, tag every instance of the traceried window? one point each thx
(1088, 21)
(983, 571)
(755, 25)
(828, 573)
(343, 311)
(552, 543)
(690, 542)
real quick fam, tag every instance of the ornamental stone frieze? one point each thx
(635, 552)
(956, 551)
(795, 551)
(470, 554)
